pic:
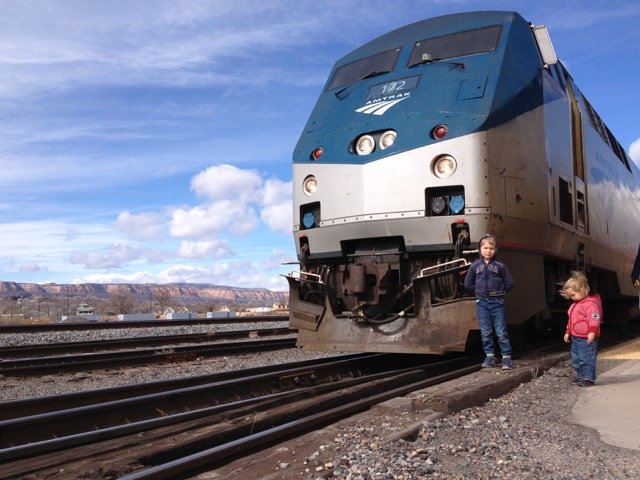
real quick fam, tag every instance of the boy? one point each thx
(491, 280)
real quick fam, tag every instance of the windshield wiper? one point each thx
(345, 91)
(426, 58)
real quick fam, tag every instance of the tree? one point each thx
(163, 298)
(123, 303)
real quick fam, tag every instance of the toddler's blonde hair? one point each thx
(577, 282)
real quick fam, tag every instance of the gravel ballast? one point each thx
(529, 433)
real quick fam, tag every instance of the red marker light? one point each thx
(317, 153)
(439, 131)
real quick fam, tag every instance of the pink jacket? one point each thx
(585, 317)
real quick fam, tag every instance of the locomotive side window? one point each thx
(364, 68)
(456, 45)
(606, 135)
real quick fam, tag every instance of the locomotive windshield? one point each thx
(364, 68)
(456, 45)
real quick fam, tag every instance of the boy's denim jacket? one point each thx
(491, 279)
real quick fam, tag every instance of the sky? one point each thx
(150, 141)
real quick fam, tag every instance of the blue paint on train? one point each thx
(409, 92)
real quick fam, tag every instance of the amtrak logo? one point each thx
(380, 105)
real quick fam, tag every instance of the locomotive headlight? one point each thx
(444, 166)
(365, 145)
(310, 185)
(387, 139)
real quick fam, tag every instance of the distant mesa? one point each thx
(183, 292)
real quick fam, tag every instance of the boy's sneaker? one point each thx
(507, 363)
(576, 381)
(489, 362)
(585, 383)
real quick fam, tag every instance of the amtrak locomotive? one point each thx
(425, 139)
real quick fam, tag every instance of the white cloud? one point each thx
(634, 152)
(185, 274)
(143, 226)
(276, 192)
(278, 217)
(29, 267)
(225, 182)
(233, 195)
(137, 277)
(169, 43)
(243, 190)
(116, 255)
(277, 204)
(277, 259)
(211, 219)
(198, 250)
(71, 234)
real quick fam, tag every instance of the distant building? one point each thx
(136, 317)
(221, 314)
(81, 318)
(84, 309)
(180, 316)
(259, 310)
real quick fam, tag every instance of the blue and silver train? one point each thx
(423, 140)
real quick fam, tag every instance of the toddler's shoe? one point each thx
(507, 363)
(489, 362)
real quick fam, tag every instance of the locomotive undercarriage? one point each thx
(392, 293)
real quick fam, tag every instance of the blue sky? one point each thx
(151, 141)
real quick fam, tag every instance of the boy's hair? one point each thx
(487, 237)
(577, 282)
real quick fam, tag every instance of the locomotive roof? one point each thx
(433, 27)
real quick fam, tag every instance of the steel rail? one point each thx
(93, 325)
(90, 361)
(12, 409)
(261, 402)
(231, 437)
(58, 423)
(196, 462)
(33, 350)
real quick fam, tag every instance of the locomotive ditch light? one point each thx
(309, 185)
(387, 139)
(444, 166)
(456, 203)
(439, 131)
(308, 220)
(365, 145)
(438, 205)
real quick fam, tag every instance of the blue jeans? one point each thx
(492, 316)
(583, 357)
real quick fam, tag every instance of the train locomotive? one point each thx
(423, 140)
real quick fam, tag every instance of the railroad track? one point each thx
(171, 430)
(57, 327)
(149, 350)
(66, 348)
